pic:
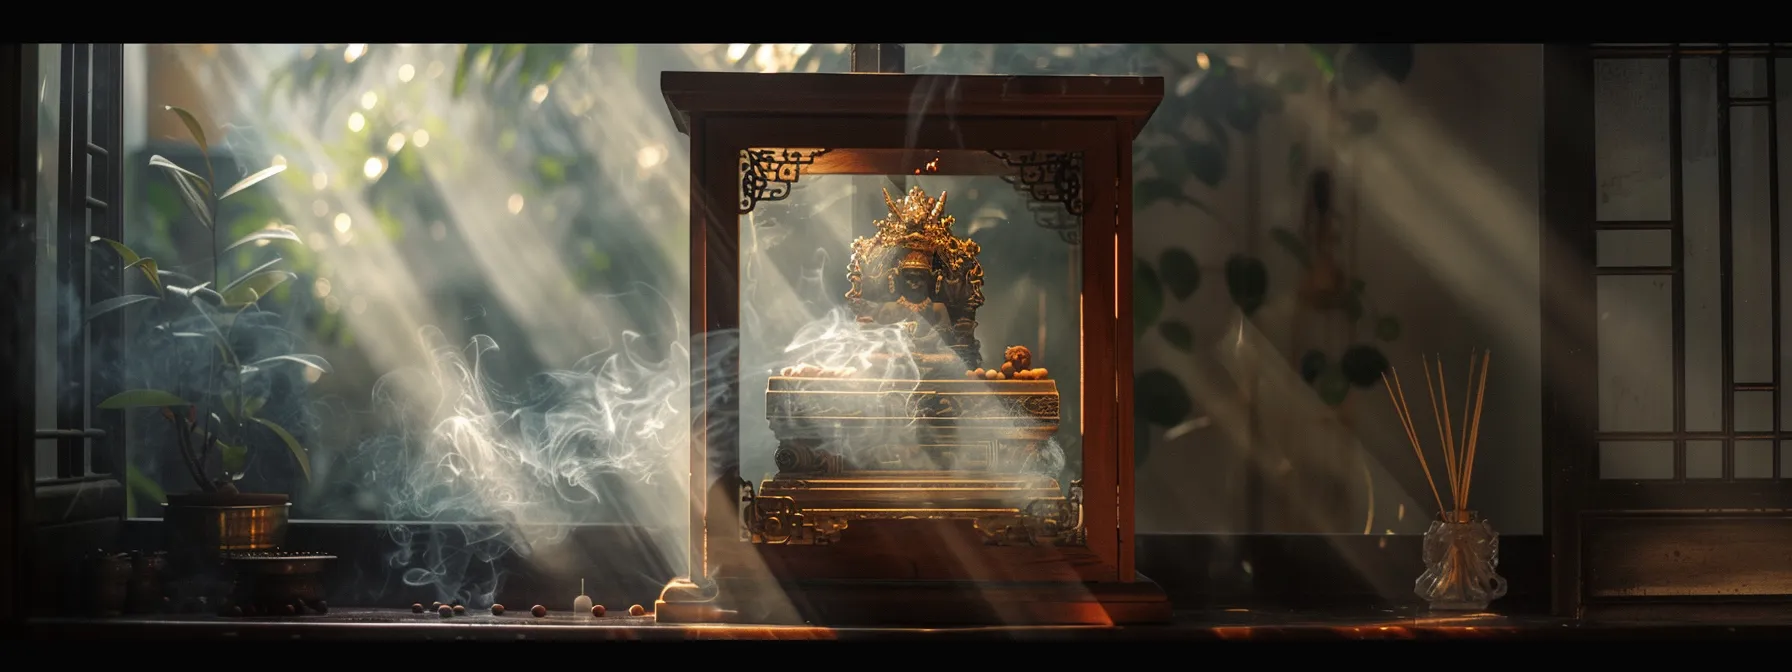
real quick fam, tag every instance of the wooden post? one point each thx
(867, 202)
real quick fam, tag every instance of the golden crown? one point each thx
(917, 260)
(917, 222)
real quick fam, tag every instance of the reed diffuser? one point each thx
(1462, 551)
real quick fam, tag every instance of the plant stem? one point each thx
(182, 441)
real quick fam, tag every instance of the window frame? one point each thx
(1292, 570)
(1590, 517)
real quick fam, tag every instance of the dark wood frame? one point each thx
(18, 275)
(727, 113)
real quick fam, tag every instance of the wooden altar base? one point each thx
(920, 603)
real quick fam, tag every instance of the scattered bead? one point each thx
(320, 606)
(637, 610)
(497, 610)
(416, 607)
(597, 610)
(539, 611)
(445, 611)
(460, 610)
(288, 610)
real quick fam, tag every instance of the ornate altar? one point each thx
(931, 411)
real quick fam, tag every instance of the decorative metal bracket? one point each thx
(768, 174)
(1045, 522)
(1050, 179)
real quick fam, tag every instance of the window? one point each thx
(79, 185)
(439, 200)
(1664, 259)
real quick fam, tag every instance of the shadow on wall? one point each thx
(1428, 245)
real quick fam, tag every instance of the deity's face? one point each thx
(914, 283)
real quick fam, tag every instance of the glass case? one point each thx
(916, 356)
(904, 351)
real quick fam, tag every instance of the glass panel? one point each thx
(1636, 460)
(910, 316)
(1750, 237)
(1754, 459)
(1786, 459)
(1754, 411)
(1704, 459)
(50, 299)
(1748, 77)
(1631, 139)
(1635, 248)
(1699, 201)
(1636, 356)
(1782, 74)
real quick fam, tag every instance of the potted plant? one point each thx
(209, 340)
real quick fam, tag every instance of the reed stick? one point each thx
(1458, 451)
(1412, 434)
(1475, 437)
(1440, 415)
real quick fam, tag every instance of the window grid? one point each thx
(90, 139)
(1675, 225)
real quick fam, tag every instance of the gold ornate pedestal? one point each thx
(859, 450)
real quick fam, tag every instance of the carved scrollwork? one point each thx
(1050, 179)
(1044, 522)
(778, 520)
(768, 174)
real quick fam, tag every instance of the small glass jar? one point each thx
(1462, 555)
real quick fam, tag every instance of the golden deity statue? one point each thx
(956, 441)
(916, 272)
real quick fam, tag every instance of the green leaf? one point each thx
(1147, 297)
(116, 303)
(258, 269)
(312, 361)
(1181, 273)
(292, 444)
(1322, 58)
(1312, 364)
(232, 458)
(136, 484)
(1206, 161)
(552, 171)
(150, 271)
(1296, 247)
(124, 252)
(194, 190)
(251, 180)
(468, 55)
(1387, 328)
(162, 162)
(1160, 399)
(1247, 281)
(1179, 335)
(251, 288)
(1332, 386)
(131, 260)
(1363, 122)
(193, 128)
(1362, 365)
(142, 399)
